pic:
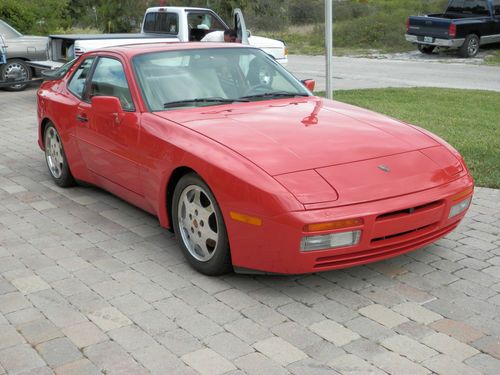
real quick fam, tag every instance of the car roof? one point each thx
(131, 50)
(172, 8)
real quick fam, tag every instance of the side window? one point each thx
(77, 83)
(109, 80)
(149, 23)
(496, 7)
(202, 23)
(161, 22)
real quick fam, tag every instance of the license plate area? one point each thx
(428, 39)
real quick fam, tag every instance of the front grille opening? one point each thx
(409, 211)
(378, 239)
(382, 251)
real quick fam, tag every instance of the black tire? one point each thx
(18, 70)
(56, 160)
(199, 226)
(470, 48)
(425, 49)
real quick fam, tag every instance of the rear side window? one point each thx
(496, 7)
(161, 22)
(77, 83)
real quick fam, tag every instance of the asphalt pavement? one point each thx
(404, 70)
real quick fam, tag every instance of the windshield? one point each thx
(212, 76)
(471, 7)
(8, 31)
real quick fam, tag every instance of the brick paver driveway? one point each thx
(89, 284)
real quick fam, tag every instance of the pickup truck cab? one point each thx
(192, 24)
(465, 25)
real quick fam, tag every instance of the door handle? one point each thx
(82, 118)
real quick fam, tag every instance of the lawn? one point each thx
(469, 120)
(493, 58)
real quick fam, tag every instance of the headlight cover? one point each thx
(330, 241)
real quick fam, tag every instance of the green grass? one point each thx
(358, 25)
(314, 44)
(493, 58)
(469, 120)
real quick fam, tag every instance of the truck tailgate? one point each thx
(429, 26)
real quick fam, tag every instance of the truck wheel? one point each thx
(470, 48)
(427, 50)
(17, 70)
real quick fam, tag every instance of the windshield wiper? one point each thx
(186, 102)
(277, 94)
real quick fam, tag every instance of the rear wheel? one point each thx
(470, 48)
(199, 226)
(56, 158)
(425, 49)
(15, 70)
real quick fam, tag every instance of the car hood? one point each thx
(33, 39)
(287, 135)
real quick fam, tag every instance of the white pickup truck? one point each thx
(161, 24)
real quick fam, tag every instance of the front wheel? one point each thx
(15, 70)
(470, 48)
(199, 226)
(56, 158)
(425, 49)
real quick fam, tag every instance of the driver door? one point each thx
(109, 143)
(239, 26)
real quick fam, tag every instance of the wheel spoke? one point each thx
(197, 199)
(202, 251)
(209, 239)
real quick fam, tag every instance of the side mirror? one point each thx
(108, 105)
(249, 33)
(310, 84)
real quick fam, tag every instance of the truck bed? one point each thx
(74, 37)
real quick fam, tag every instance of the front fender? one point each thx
(237, 184)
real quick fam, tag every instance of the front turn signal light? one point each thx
(247, 219)
(332, 225)
(462, 194)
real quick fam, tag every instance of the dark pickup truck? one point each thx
(466, 25)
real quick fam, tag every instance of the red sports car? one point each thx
(249, 169)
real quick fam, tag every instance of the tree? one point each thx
(121, 16)
(35, 16)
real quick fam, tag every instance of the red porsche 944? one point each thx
(249, 169)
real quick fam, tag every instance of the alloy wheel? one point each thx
(198, 224)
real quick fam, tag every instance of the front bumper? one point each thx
(391, 227)
(448, 43)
